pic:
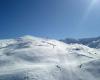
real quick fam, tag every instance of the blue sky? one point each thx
(49, 18)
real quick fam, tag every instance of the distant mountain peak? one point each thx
(91, 42)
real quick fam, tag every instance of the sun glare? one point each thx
(88, 11)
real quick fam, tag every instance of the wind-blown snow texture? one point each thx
(32, 58)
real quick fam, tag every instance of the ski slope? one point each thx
(33, 58)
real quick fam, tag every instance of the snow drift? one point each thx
(32, 58)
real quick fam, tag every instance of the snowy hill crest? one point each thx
(33, 58)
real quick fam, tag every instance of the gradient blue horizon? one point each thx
(48, 18)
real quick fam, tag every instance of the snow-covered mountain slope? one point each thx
(32, 58)
(91, 42)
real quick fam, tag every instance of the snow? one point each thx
(33, 58)
(91, 42)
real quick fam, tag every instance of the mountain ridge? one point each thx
(34, 58)
(91, 42)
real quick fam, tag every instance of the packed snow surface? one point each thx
(32, 58)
